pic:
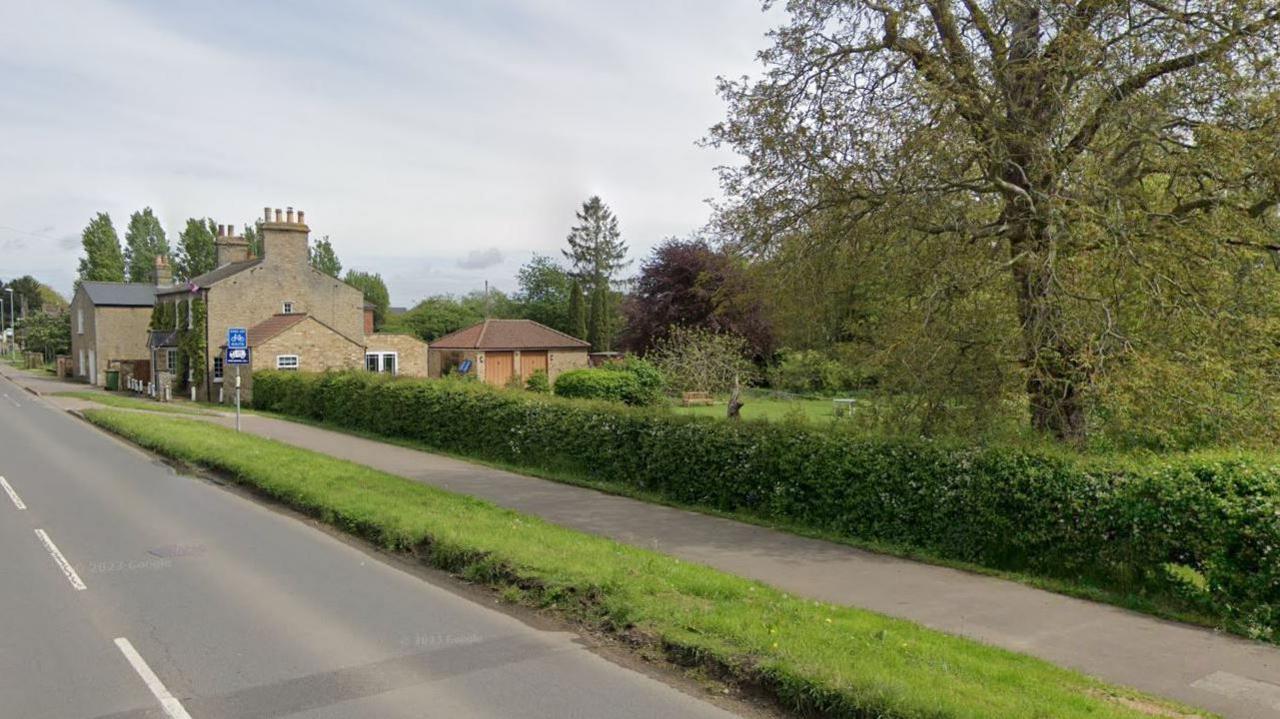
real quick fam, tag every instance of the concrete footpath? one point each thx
(1221, 673)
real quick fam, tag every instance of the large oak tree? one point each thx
(1053, 131)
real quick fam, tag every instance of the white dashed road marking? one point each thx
(172, 707)
(61, 561)
(17, 501)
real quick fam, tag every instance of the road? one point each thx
(129, 591)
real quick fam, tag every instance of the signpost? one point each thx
(237, 354)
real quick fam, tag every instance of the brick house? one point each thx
(251, 292)
(109, 324)
(502, 350)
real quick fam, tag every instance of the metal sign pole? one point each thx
(237, 398)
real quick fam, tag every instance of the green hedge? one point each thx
(1122, 523)
(632, 381)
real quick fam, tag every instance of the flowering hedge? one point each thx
(1121, 522)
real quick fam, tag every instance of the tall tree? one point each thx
(253, 235)
(596, 250)
(544, 294)
(687, 283)
(28, 294)
(1062, 136)
(375, 292)
(598, 326)
(103, 259)
(577, 311)
(144, 240)
(197, 253)
(323, 257)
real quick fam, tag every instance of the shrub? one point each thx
(538, 382)
(699, 360)
(631, 381)
(1122, 523)
(811, 371)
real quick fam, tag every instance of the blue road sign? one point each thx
(465, 367)
(237, 338)
(237, 355)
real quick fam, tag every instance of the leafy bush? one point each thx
(538, 382)
(811, 371)
(694, 359)
(1122, 523)
(632, 381)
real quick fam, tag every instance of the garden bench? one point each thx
(689, 399)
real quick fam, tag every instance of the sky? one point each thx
(438, 143)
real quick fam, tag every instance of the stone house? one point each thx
(109, 324)
(246, 291)
(293, 342)
(395, 354)
(500, 351)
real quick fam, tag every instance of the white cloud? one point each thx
(409, 134)
(481, 259)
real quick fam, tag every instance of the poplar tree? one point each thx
(197, 253)
(103, 259)
(144, 240)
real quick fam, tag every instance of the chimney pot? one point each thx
(278, 218)
(289, 215)
(222, 230)
(301, 221)
(266, 214)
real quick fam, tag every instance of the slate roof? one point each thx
(211, 277)
(508, 335)
(120, 294)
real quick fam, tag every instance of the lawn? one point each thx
(115, 400)
(812, 657)
(770, 408)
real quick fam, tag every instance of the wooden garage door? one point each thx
(531, 362)
(497, 368)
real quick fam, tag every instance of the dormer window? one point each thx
(288, 308)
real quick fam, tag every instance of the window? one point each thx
(189, 303)
(83, 373)
(79, 320)
(288, 308)
(217, 369)
(171, 360)
(380, 362)
(287, 362)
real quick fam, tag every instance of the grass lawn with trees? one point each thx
(810, 656)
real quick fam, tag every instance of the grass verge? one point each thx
(112, 400)
(1156, 605)
(812, 657)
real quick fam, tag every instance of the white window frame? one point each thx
(381, 364)
(296, 362)
(217, 369)
(171, 360)
(189, 322)
(287, 307)
(84, 368)
(79, 320)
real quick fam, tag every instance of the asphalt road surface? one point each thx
(127, 591)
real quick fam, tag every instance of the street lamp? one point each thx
(13, 331)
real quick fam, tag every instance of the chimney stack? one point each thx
(162, 274)
(229, 247)
(285, 237)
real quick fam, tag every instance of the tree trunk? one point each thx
(734, 410)
(1055, 369)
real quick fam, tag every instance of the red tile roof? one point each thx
(508, 335)
(273, 326)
